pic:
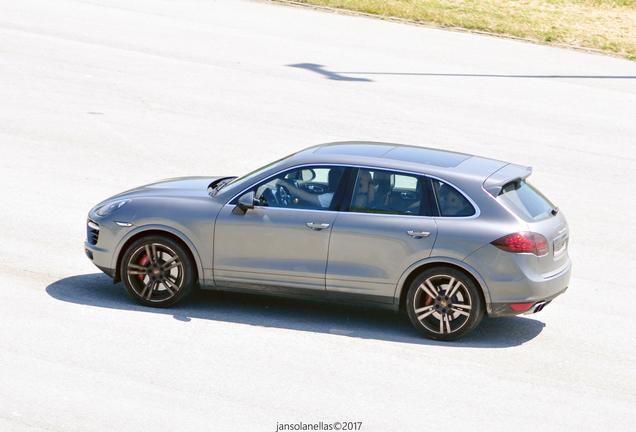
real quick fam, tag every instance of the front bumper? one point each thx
(102, 237)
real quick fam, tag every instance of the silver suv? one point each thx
(446, 236)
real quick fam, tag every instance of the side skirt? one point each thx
(323, 296)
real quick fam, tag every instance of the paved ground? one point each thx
(99, 96)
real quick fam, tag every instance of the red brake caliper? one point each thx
(143, 262)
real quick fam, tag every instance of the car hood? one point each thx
(176, 187)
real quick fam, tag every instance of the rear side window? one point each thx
(450, 201)
(387, 192)
(525, 201)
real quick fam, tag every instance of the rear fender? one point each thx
(415, 269)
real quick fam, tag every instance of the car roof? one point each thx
(404, 157)
(402, 153)
(468, 172)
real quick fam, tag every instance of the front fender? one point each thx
(155, 228)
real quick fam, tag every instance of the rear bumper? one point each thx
(524, 308)
(513, 283)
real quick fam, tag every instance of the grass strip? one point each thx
(606, 25)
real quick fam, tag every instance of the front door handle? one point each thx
(317, 226)
(418, 234)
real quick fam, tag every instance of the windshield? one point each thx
(526, 201)
(239, 182)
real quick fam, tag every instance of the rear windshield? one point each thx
(525, 201)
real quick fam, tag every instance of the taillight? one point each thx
(528, 242)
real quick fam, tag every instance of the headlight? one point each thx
(110, 208)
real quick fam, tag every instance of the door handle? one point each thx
(317, 226)
(418, 234)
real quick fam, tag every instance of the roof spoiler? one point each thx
(508, 173)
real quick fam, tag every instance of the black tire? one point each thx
(157, 271)
(444, 304)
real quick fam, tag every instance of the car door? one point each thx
(381, 235)
(281, 242)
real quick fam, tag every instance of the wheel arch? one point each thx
(412, 272)
(160, 230)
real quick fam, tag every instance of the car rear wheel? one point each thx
(157, 271)
(444, 304)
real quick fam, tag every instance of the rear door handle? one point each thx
(418, 234)
(317, 226)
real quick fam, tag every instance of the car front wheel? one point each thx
(444, 304)
(157, 271)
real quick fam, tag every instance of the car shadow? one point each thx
(346, 75)
(259, 310)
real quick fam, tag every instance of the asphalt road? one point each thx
(100, 96)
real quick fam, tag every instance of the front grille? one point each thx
(92, 232)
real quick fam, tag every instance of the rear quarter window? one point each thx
(450, 201)
(525, 201)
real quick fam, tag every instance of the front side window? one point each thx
(450, 201)
(379, 191)
(306, 188)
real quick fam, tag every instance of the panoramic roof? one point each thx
(404, 153)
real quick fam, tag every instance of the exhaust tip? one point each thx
(538, 307)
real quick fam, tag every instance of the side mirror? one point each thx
(307, 174)
(245, 203)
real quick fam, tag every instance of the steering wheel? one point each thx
(284, 195)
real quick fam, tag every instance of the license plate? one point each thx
(560, 245)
